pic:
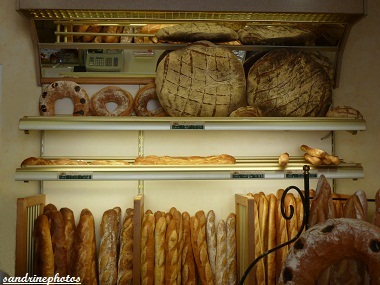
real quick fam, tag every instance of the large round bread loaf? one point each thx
(289, 83)
(201, 80)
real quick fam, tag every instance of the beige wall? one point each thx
(359, 87)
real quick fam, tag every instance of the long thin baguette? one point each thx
(211, 241)
(231, 249)
(221, 276)
(172, 257)
(58, 240)
(107, 260)
(188, 273)
(198, 240)
(125, 263)
(43, 249)
(69, 224)
(147, 249)
(271, 258)
(159, 247)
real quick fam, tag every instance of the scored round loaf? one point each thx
(289, 83)
(201, 80)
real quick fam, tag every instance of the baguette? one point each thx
(159, 247)
(69, 224)
(107, 261)
(313, 159)
(198, 241)
(172, 257)
(178, 217)
(211, 241)
(271, 258)
(85, 249)
(43, 249)
(231, 249)
(58, 240)
(283, 159)
(282, 235)
(313, 151)
(188, 275)
(291, 224)
(125, 263)
(260, 266)
(147, 249)
(188, 160)
(320, 209)
(221, 276)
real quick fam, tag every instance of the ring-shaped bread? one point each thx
(64, 89)
(323, 245)
(112, 94)
(143, 97)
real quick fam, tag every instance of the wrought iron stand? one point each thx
(305, 197)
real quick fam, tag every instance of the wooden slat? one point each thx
(21, 230)
(245, 232)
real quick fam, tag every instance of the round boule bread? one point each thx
(201, 80)
(289, 83)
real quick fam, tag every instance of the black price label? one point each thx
(75, 176)
(296, 175)
(187, 125)
(247, 175)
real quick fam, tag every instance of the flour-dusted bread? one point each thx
(109, 235)
(201, 80)
(276, 35)
(289, 83)
(191, 32)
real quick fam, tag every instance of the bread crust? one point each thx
(141, 100)
(107, 261)
(58, 240)
(69, 229)
(43, 249)
(85, 253)
(64, 89)
(211, 240)
(125, 263)
(221, 275)
(198, 240)
(188, 264)
(185, 160)
(120, 96)
(147, 249)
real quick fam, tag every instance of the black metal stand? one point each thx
(305, 197)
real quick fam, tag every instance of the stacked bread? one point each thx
(317, 156)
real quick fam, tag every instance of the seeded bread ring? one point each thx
(121, 97)
(323, 245)
(143, 97)
(64, 89)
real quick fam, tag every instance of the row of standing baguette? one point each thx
(176, 248)
(271, 229)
